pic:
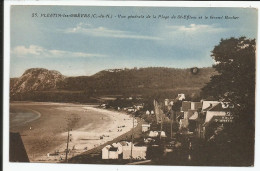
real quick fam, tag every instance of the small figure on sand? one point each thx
(30, 128)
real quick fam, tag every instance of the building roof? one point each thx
(211, 114)
(107, 147)
(206, 105)
(117, 145)
(212, 120)
(186, 105)
(113, 149)
(125, 143)
(220, 107)
(146, 125)
(194, 116)
(135, 148)
(190, 113)
(179, 115)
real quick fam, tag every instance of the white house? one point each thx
(105, 152)
(181, 96)
(153, 134)
(163, 134)
(112, 152)
(138, 153)
(147, 112)
(145, 127)
(207, 104)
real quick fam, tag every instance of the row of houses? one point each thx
(129, 109)
(127, 150)
(203, 117)
(124, 150)
(200, 118)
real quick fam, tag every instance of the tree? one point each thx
(235, 83)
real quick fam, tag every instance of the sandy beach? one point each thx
(89, 127)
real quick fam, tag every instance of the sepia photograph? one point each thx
(132, 85)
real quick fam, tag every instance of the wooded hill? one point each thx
(39, 84)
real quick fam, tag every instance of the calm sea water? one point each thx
(19, 118)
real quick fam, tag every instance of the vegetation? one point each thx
(153, 83)
(235, 83)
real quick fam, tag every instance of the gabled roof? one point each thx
(146, 125)
(206, 105)
(217, 107)
(194, 116)
(113, 149)
(107, 147)
(211, 114)
(124, 143)
(179, 115)
(191, 112)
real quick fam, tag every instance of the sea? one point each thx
(21, 117)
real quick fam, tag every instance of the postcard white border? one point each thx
(7, 166)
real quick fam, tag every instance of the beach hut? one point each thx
(163, 134)
(105, 152)
(113, 153)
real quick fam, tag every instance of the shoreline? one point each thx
(38, 115)
(53, 103)
(83, 136)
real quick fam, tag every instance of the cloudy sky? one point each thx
(83, 45)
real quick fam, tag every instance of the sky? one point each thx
(77, 46)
